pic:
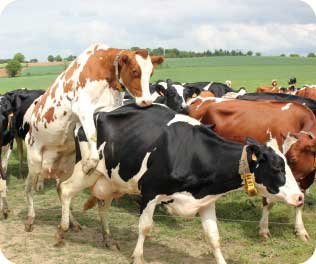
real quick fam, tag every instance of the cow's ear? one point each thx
(157, 60)
(124, 59)
(254, 153)
(161, 90)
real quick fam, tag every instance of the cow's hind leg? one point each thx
(19, 144)
(30, 203)
(144, 228)
(208, 216)
(3, 198)
(300, 230)
(108, 240)
(67, 190)
(264, 222)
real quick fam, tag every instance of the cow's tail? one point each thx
(28, 115)
(92, 201)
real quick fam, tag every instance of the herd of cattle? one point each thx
(182, 145)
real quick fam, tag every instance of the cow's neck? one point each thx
(226, 177)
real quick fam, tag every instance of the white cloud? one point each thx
(269, 38)
(37, 27)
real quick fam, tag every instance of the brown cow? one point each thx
(307, 91)
(269, 89)
(237, 119)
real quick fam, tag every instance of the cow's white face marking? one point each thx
(286, 107)
(290, 190)
(180, 90)
(184, 118)
(146, 68)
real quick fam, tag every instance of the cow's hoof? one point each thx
(76, 227)
(112, 244)
(29, 224)
(5, 214)
(138, 260)
(89, 165)
(303, 236)
(265, 234)
(39, 187)
(28, 227)
(59, 244)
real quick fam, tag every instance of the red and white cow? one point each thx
(94, 81)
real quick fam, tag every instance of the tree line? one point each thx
(14, 65)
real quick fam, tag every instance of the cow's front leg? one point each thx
(300, 230)
(85, 115)
(208, 216)
(264, 222)
(144, 228)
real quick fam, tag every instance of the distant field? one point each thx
(243, 71)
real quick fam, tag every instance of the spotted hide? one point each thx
(94, 81)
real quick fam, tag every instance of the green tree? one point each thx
(19, 57)
(311, 55)
(282, 55)
(50, 58)
(34, 60)
(258, 54)
(249, 53)
(294, 55)
(58, 58)
(13, 68)
(70, 58)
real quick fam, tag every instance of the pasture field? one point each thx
(173, 240)
(243, 71)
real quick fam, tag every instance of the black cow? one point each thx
(218, 89)
(310, 103)
(173, 160)
(13, 106)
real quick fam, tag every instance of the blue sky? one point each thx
(41, 27)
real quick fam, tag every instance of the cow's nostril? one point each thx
(301, 198)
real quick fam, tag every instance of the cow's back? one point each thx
(235, 119)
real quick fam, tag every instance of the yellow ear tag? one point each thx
(250, 187)
(194, 95)
(254, 157)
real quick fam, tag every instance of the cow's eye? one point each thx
(134, 72)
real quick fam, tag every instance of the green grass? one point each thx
(248, 72)
(173, 240)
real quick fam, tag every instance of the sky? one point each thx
(38, 28)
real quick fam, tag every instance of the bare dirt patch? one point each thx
(3, 73)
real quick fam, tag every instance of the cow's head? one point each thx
(300, 151)
(273, 177)
(136, 69)
(176, 95)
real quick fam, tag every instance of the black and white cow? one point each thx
(171, 159)
(172, 94)
(13, 106)
(218, 89)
